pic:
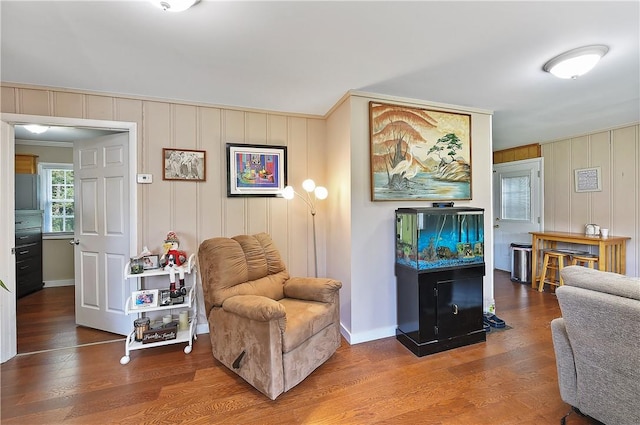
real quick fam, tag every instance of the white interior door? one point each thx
(8, 339)
(102, 232)
(518, 209)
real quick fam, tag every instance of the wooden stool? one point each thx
(587, 260)
(553, 262)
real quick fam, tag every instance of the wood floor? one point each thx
(46, 320)
(509, 379)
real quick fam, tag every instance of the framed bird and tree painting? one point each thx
(419, 154)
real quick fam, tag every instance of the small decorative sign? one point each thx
(588, 180)
(162, 334)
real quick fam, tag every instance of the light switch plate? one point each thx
(145, 178)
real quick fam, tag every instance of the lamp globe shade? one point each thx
(321, 192)
(288, 193)
(308, 185)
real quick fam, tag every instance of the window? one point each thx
(57, 197)
(516, 198)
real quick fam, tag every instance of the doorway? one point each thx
(47, 319)
(518, 206)
(7, 261)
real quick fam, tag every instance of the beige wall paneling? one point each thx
(600, 156)
(234, 208)
(579, 202)
(158, 213)
(617, 206)
(8, 100)
(258, 219)
(300, 261)
(277, 133)
(549, 193)
(130, 110)
(99, 107)
(625, 196)
(317, 169)
(184, 202)
(213, 191)
(34, 102)
(558, 187)
(68, 105)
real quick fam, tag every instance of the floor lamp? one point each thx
(319, 193)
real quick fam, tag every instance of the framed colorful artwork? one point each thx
(183, 164)
(256, 170)
(419, 154)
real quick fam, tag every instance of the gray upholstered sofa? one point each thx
(597, 344)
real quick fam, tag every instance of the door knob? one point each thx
(74, 242)
(496, 226)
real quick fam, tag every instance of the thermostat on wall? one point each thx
(145, 178)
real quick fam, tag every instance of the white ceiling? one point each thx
(302, 57)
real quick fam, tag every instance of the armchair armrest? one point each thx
(254, 307)
(565, 362)
(312, 288)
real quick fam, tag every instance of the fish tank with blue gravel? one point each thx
(439, 238)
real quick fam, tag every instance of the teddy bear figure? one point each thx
(173, 261)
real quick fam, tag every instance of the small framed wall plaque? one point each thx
(588, 179)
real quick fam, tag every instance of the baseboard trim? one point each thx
(54, 283)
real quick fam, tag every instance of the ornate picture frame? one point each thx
(256, 170)
(184, 164)
(419, 154)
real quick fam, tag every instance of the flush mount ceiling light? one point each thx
(36, 128)
(576, 62)
(174, 5)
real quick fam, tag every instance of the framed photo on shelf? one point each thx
(144, 299)
(165, 297)
(151, 262)
(256, 170)
(183, 164)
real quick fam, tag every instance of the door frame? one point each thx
(539, 194)
(8, 342)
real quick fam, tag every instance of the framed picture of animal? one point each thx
(184, 164)
(419, 154)
(256, 170)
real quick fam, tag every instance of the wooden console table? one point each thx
(611, 250)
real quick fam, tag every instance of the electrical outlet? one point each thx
(145, 178)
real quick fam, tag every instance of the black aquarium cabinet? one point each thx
(439, 272)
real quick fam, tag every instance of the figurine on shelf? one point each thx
(173, 260)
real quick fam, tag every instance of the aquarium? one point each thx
(439, 238)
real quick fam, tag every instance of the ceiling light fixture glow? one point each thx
(174, 5)
(576, 62)
(36, 128)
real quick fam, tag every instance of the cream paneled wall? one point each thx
(197, 211)
(617, 206)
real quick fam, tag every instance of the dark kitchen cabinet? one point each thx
(28, 251)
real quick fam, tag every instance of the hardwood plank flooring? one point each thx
(46, 320)
(509, 379)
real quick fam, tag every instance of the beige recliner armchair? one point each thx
(271, 329)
